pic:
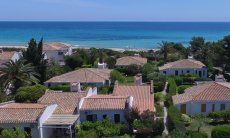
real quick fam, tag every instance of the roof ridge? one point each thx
(221, 83)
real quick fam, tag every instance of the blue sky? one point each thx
(115, 10)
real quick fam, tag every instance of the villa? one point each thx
(129, 60)
(116, 105)
(84, 76)
(55, 51)
(204, 98)
(185, 66)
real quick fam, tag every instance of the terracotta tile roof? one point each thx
(6, 55)
(215, 91)
(142, 98)
(83, 75)
(55, 46)
(67, 101)
(128, 60)
(104, 102)
(20, 112)
(184, 63)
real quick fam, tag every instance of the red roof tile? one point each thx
(142, 97)
(215, 91)
(128, 60)
(104, 102)
(67, 101)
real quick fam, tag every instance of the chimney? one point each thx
(101, 65)
(138, 79)
(137, 55)
(190, 57)
(75, 87)
(151, 86)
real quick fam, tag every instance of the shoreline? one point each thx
(81, 47)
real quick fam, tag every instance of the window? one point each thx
(213, 107)
(92, 117)
(176, 72)
(117, 118)
(89, 117)
(200, 73)
(27, 130)
(182, 72)
(60, 53)
(222, 107)
(164, 72)
(203, 107)
(196, 71)
(183, 108)
(104, 116)
(188, 71)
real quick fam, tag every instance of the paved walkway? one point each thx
(165, 111)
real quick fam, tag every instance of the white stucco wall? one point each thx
(54, 56)
(194, 108)
(21, 126)
(46, 114)
(16, 56)
(110, 114)
(184, 71)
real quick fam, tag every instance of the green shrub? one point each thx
(221, 115)
(158, 97)
(103, 90)
(175, 120)
(10, 133)
(176, 134)
(116, 75)
(172, 87)
(30, 93)
(102, 128)
(186, 119)
(195, 134)
(221, 131)
(87, 134)
(61, 87)
(181, 88)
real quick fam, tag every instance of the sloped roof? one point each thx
(215, 91)
(104, 102)
(55, 46)
(67, 101)
(142, 98)
(20, 112)
(83, 75)
(128, 60)
(184, 63)
(6, 55)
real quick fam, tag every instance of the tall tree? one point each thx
(164, 49)
(35, 56)
(16, 74)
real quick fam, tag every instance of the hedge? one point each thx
(221, 115)
(221, 131)
(63, 87)
(195, 134)
(175, 120)
(182, 88)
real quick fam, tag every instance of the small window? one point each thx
(94, 117)
(104, 116)
(182, 72)
(203, 108)
(222, 107)
(164, 72)
(213, 107)
(200, 73)
(176, 72)
(27, 130)
(89, 117)
(60, 53)
(183, 108)
(117, 118)
(188, 71)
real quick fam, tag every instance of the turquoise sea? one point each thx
(140, 35)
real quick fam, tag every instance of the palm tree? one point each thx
(164, 47)
(16, 74)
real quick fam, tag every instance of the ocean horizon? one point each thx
(133, 35)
